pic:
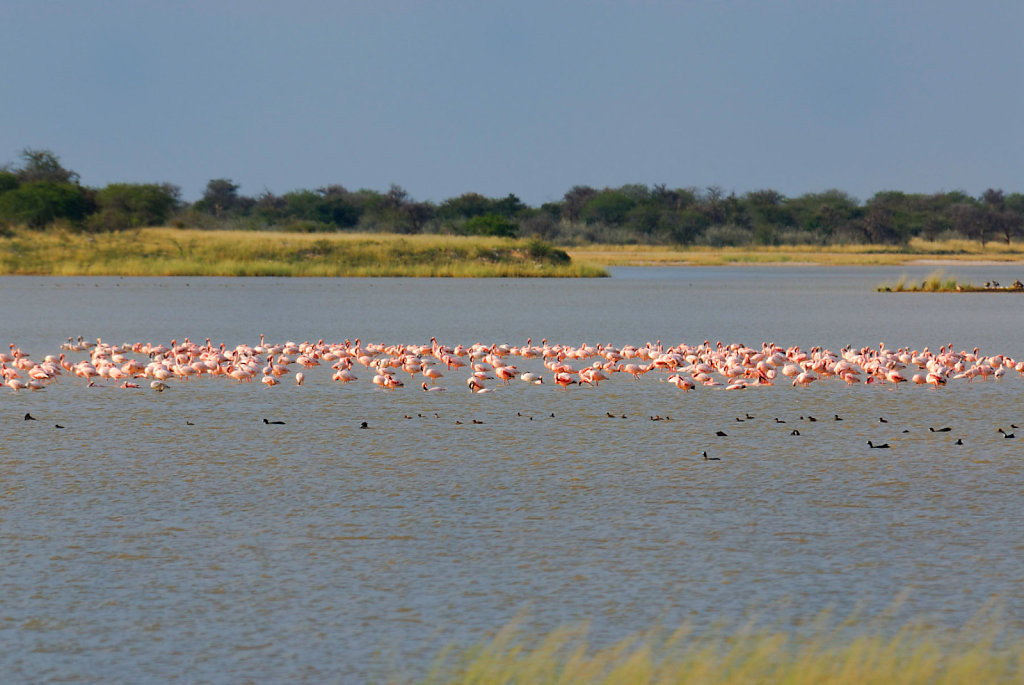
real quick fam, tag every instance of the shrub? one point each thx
(727, 235)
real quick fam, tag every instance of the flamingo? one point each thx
(432, 373)
(564, 380)
(505, 373)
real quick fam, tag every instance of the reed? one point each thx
(183, 252)
(936, 282)
(825, 653)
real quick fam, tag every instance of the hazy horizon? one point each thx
(453, 97)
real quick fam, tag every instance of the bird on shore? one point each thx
(883, 446)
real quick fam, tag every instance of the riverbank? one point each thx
(917, 252)
(189, 252)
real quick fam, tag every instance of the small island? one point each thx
(939, 283)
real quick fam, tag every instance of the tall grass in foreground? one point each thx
(836, 654)
(184, 252)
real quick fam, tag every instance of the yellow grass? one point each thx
(823, 654)
(917, 251)
(188, 252)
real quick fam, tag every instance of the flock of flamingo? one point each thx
(727, 366)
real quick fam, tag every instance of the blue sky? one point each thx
(521, 97)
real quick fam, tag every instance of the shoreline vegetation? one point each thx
(148, 229)
(166, 251)
(939, 282)
(190, 252)
(822, 652)
(692, 225)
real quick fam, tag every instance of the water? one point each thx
(138, 548)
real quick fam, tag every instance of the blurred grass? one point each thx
(827, 652)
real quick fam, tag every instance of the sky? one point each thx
(527, 97)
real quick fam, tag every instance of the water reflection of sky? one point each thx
(829, 306)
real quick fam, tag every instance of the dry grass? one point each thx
(917, 251)
(184, 252)
(188, 252)
(825, 653)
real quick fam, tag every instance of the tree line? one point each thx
(39, 192)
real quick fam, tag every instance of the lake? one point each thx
(175, 536)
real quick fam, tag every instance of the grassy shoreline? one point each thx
(939, 282)
(916, 252)
(190, 252)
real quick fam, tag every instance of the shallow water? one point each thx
(138, 548)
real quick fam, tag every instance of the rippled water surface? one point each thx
(138, 548)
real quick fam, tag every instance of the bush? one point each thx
(41, 203)
(727, 235)
(133, 205)
(491, 225)
(545, 252)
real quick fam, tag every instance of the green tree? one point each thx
(490, 224)
(825, 213)
(574, 202)
(41, 203)
(768, 207)
(608, 207)
(43, 165)
(339, 207)
(465, 206)
(132, 205)
(8, 181)
(221, 198)
(972, 220)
